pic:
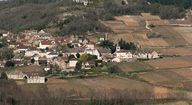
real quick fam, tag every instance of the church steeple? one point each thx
(118, 48)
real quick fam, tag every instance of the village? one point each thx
(86, 52)
(73, 56)
(33, 47)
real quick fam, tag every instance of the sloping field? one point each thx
(126, 37)
(153, 19)
(185, 32)
(172, 37)
(171, 78)
(126, 24)
(110, 86)
(100, 85)
(170, 63)
(128, 20)
(117, 26)
(141, 39)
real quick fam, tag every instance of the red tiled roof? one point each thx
(58, 40)
(46, 42)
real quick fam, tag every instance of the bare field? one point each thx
(172, 37)
(101, 84)
(117, 26)
(154, 19)
(108, 86)
(134, 66)
(128, 20)
(186, 33)
(177, 78)
(126, 24)
(158, 42)
(140, 38)
(176, 51)
(170, 63)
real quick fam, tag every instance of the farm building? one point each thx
(35, 77)
(18, 75)
(31, 77)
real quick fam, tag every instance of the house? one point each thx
(35, 77)
(88, 64)
(13, 45)
(155, 55)
(30, 53)
(36, 59)
(58, 40)
(44, 44)
(61, 62)
(31, 77)
(116, 60)
(52, 55)
(72, 63)
(6, 34)
(19, 63)
(123, 54)
(2, 63)
(42, 35)
(18, 57)
(93, 52)
(105, 54)
(43, 61)
(84, 2)
(18, 75)
(90, 46)
(22, 48)
(73, 51)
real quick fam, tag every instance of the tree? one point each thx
(113, 68)
(78, 55)
(6, 53)
(9, 64)
(84, 57)
(71, 57)
(126, 45)
(3, 76)
(3, 42)
(78, 66)
(108, 44)
(33, 61)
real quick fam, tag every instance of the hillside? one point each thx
(65, 17)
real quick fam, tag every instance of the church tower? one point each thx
(118, 48)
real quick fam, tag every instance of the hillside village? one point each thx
(90, 52)
(77, 52)
(33, 47)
